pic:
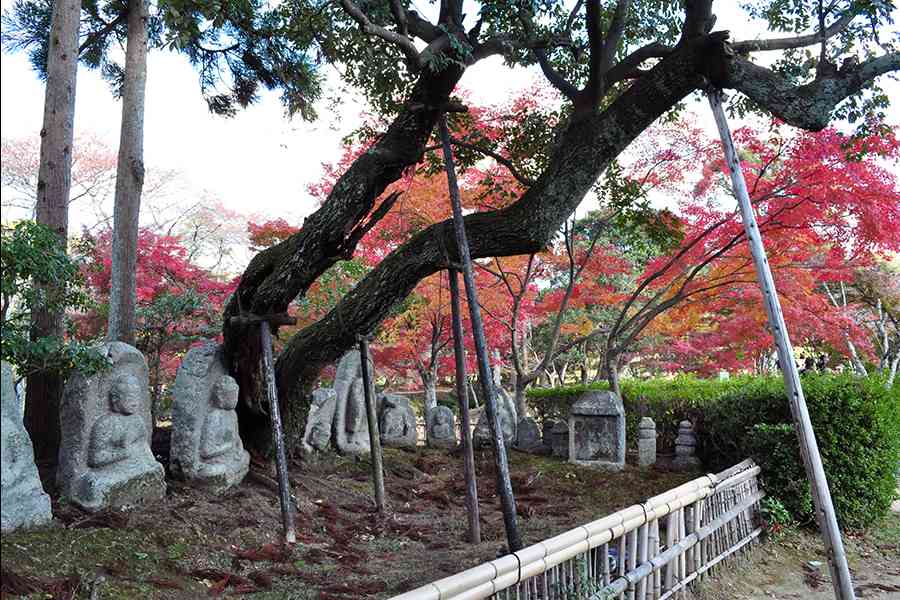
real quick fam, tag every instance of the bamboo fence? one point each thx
(649, 551)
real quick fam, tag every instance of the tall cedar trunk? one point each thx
(44, 389)
(129, 179)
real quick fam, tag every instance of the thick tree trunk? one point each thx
(278, 275)
(129, 179)
(44, 389)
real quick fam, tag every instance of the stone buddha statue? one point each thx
(24, 502)
(206, 448)
(105, 456)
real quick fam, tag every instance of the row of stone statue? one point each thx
(105, 458)
(337, 417)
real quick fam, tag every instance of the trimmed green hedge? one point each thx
(857, 423)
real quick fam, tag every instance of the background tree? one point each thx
(619, 68)
(44, 388)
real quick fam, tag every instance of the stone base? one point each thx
(25, 509)
(398, 442)
(229, 475)
(601, 465)
(95, 492)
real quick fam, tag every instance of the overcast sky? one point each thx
(257, 162)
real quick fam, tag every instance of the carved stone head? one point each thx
(125, 395)
(225, 393)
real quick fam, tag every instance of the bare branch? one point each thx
(614, 35)
(796, 41)
(400, 40)
(628, 67)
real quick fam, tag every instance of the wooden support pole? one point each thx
(809, 449)
(284, 489)
(504, 485)
(372, 418)
(465, 423)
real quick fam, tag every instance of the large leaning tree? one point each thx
(619, 65)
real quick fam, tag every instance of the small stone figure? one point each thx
(547, 435)
(597, 431)
(351, 428)
(528, 436)
(23, 502)
(685, 448)
(560, 439)
(317, 435)
(441, 428)
(506, 408)
(646, 442)
(105, 457)
(206, 446)
(397, 424)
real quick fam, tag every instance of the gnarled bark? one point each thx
(278, 275)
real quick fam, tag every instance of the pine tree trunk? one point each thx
(44, 389)
(129, 179)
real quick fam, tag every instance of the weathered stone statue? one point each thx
(597, 431)
(23, 502)
(646, 442)
(351, 429)
(397, 422)
(528, 436)
(559, 436)
(105, 457)
(685, 448)
(317, 435)
(441, 428)
(506, 407)
(206, 446)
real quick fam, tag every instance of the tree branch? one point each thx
(808, 106)
(398, 39)
(795, 41)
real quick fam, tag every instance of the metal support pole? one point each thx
(465, 425)
(284, 489)
(825, 516)
(372, 417)
(504, 485)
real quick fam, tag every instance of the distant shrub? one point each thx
(857, 424)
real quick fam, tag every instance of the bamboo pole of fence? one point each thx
(825, 515)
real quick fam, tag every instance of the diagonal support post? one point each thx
(504, 485)
(809, 449)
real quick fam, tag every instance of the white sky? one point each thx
(257, 162)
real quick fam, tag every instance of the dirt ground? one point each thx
(194, 545)
(792, 566)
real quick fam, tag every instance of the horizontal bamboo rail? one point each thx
(624, 555)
